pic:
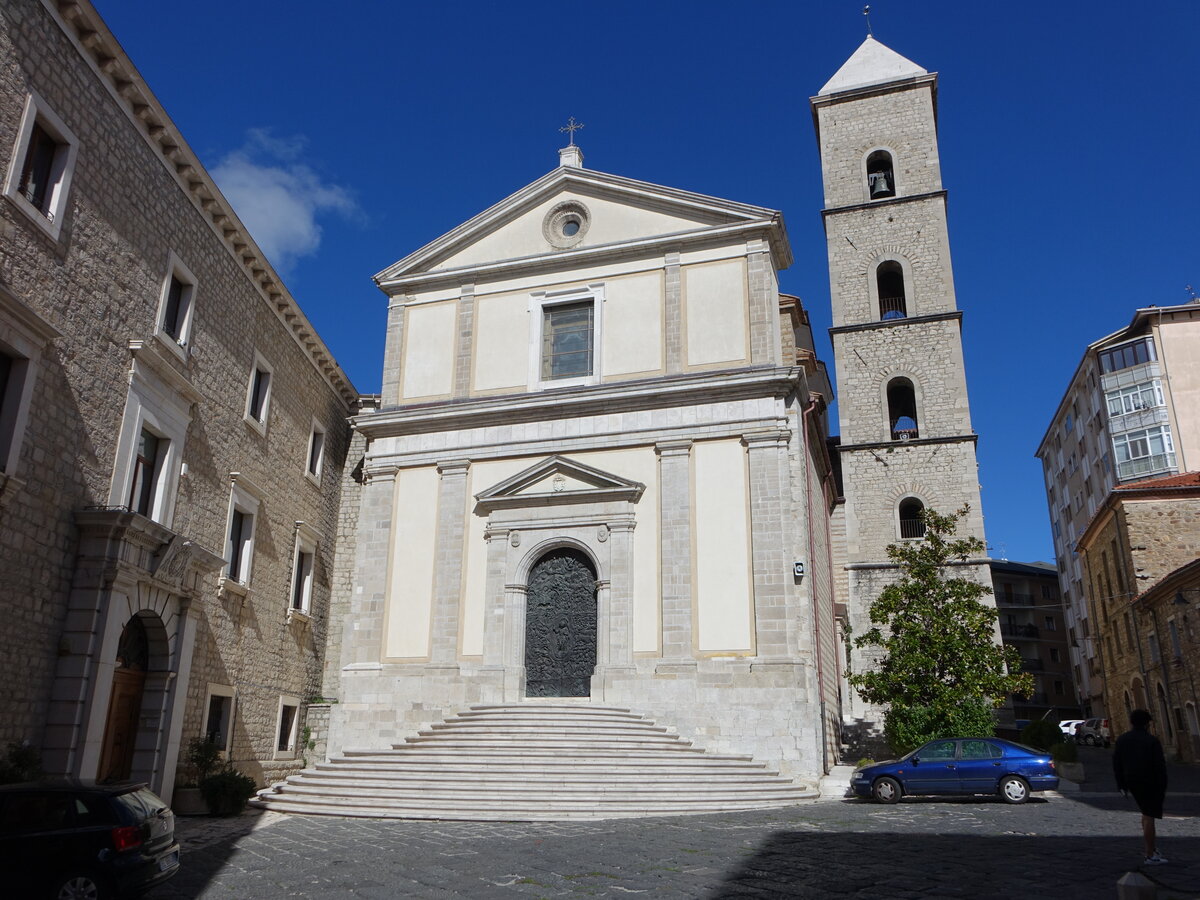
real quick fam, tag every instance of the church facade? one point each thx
(598, 462)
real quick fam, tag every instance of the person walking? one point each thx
(1141, 770)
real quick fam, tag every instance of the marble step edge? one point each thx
(433, 789)
(493, 816)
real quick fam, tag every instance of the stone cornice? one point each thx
(83, 25)
(149, 354)
(889, 201)
(586, 400)
(605, 253)
(915, 442)
(895, 323)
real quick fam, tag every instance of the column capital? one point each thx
(768, 437)
(673, 448)
(380, 473)
(453, 467)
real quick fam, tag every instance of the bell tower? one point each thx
(905, 424)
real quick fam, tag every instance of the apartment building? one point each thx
(1128, 414)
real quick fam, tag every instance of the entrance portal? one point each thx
(560, 626)
(129, 681)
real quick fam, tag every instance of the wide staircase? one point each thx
(534, 762)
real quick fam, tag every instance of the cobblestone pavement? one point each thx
(1057, 846)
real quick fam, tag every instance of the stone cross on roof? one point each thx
(570, 128)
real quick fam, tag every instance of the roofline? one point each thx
(1120, 494)
(1039, 568)
(858, 93)
(102, 52)
(1174, 578)
(505, 209)
(1121, 334)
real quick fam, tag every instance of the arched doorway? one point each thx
(560, 625)
(125, 705)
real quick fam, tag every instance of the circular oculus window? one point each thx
(566, 224)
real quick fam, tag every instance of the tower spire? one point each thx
(867, 16)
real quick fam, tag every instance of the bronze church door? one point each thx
(560, 626)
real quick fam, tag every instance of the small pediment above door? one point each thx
(558, 480)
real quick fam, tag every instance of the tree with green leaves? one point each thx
(941, 672)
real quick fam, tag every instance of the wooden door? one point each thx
(120, 731)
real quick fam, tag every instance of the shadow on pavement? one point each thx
(805, 864)
(206, 845)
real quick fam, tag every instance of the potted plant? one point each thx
(227, 790)
(201, 759)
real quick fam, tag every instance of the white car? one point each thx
(1067, 727)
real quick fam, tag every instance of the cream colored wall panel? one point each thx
(501, 342)
(610, 222)
(715, 312)
(633, 312)
(724, 601)
(410, 581)
(640, 464)
(429, 338)
(474, 602)
(1177, 342)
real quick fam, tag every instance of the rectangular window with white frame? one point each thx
(1144, 452)
(176, 305)
(288, 722)
(316, 453)
(149, 469)
(239, 543)
(304, 557)
(258, 394)
(218, 715)
(39, 177)
(565, 334)
(1147, 395)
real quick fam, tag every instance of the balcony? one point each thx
(1015, 600)
(1146, 465)
(1020, 631)
(1032, 665)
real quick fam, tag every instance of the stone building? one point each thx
(1139, 556)
(172, 433)
(1127, 414)
(906, 441)
(594, 391)
(1032, 620)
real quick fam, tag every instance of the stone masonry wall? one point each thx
(100, 286)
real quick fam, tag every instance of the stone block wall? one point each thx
(99, 285)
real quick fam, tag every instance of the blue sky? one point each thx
(351, 134)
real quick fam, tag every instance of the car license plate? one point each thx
(169, 861)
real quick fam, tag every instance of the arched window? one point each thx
(911, 523)
(1163, 713)
(902, 409)
(881, 180)
(889, 279)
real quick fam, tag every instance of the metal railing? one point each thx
(912, 528)
(1146, 465)
(893, 308)
(1028, 631)
(1032, 665)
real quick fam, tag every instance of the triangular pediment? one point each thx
(557, 479)
(619, 211)
(872, 63)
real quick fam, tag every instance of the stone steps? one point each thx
(534, 762)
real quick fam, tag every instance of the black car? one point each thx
(75, 840)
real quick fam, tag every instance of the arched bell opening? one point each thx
(889, 279)
(881, 178)
(560, 625)
(902, 409)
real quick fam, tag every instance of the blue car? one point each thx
(960, 766)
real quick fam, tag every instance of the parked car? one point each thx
(1067, 726)
(960, 766)
(76, 840)
(1094, 732)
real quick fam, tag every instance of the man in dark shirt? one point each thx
(1141, 770)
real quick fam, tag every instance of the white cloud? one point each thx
(278, 197)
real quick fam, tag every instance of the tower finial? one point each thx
(867, 15)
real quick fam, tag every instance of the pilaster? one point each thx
(675, 550)
(673, 318)
(448, 561)
(393, 347)
(362, 641)
(465, 339)
(769, 491)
